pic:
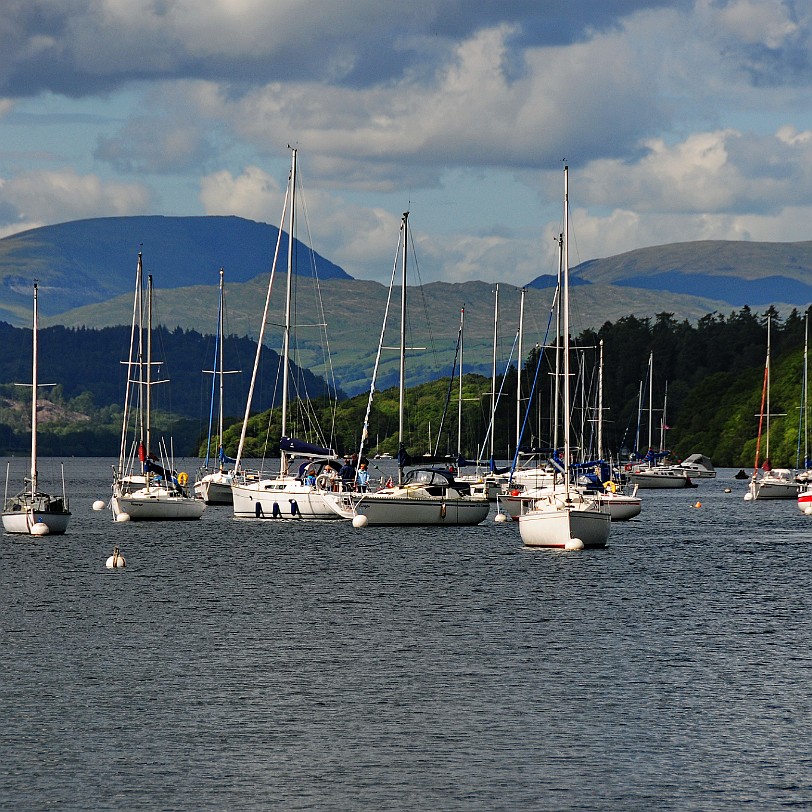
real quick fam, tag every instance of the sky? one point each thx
(680, 120)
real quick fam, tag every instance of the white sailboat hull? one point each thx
(400, 508)
(280, 499)
(620, 506)
(214, 489)
(20, 516)
(156, 504)
(774, 488)
(556, 527)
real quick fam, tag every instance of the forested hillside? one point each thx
(708, 375)
(712, 373)
(81, 415)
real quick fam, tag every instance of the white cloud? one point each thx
(62, 195)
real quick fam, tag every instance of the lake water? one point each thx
(244, 666)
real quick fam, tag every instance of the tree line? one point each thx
(707, 376)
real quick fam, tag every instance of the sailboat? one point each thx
(287, 495)
(145, 487)
(421, 496)
(214, 486)
(621, 504)
(772, 483)
(565, 517)
(32, 511)
(652, 471)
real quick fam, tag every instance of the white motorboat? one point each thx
(145, 486)
(565, 518)
(32, 511)
(698, 466)
(660, 476)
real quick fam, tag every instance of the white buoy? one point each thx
(116, 560)
(123, 517)
(574, 544)
(748, 496)
(99, 505)
(39, 529)
(808, 510)
(359, 520)
(500, 517)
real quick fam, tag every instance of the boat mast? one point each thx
(459, 395)
(519, 360)
(767, 379)
(805, 395)
(402, 371)
(493, 368)
(662, 419)
(600, 401)
(34, 384)
(557, 375)
(220, 452)
(565, 327)
(148, 392)
(650, 397)
(288, 298)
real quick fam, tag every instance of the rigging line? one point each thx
(260, 338)
(423, 298)
(533, 388)
(448, 393)
(365, 429)
(332, 385)
(498, 397)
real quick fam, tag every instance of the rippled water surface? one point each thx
(235, 665)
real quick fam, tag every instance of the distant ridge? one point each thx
(736, 272)
(89, 261)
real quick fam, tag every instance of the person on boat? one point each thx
(347, 475)
(362, 478)
(311, 478)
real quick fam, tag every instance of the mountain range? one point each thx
(86, 270)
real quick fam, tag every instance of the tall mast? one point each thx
(600, 401)
(493, 367)
(805, 413)
(220, 337)
(402, 371)
(565, 327)
(662, 419)
(148, 391)
(519, 360)
(288, 300)
(557, 375)
(34, 384)
(459, 396)
(767, 378)
(650, 396)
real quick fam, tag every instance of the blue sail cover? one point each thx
(291, 444)
(494, 469)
